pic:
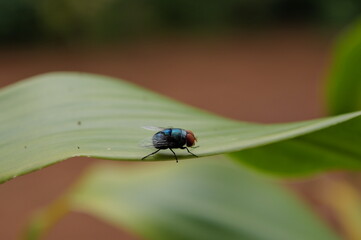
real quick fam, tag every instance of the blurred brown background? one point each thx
(251, 61)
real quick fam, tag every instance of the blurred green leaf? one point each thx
(344, 87)
(332, 148)
(57, 116)
(205, 199)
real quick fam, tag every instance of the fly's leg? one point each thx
(190, 151)
(176, 159)
(150, 154)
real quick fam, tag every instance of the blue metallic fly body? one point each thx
(172, 138)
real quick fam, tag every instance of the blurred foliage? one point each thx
(344, 85)
(18, 21)
(106, 20)
(211, 199)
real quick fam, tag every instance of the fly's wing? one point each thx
(152, 128)
(153, 143)
(147, 143)
(160, 143)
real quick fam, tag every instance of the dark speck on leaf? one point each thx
(78, 147)
(25, 147)
(79, 123)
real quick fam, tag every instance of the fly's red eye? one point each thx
(190, 132)
(191, 139)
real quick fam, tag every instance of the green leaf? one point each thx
(57, 116)
(332, 148)
(344, 88)
(205, 199)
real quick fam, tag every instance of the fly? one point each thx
(172, 138)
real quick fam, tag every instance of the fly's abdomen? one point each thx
(160, 140)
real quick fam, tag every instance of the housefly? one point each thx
(171, 138)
